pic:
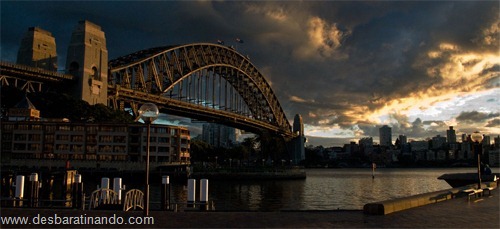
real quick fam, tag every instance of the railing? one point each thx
(103, 196)
(133, 199)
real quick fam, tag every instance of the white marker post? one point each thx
(204, 194)
(191, 198)
(19, 190)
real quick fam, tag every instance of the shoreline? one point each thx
(481, 212)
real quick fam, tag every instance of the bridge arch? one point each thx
(194, 78)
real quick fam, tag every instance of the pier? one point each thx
(453, 213)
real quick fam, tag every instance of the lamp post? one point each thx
(477, 138)
(148, 113)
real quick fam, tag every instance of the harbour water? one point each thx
(323, 189)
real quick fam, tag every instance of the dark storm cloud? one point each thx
(334, 62)
(475, 116)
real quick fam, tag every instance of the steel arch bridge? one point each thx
(203, 81)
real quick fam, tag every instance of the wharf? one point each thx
(482, 212)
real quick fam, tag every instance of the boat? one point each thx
(462, 179)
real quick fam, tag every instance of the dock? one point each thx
(481, 212)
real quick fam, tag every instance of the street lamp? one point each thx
(477, 138)
(148, 113)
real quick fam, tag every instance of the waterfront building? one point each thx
(92, 142)
(419, 145)
(438, 142)
(494, 157)
(430, 155)
(441, 155)
(385, 134)
(38, 49)
(466, 150)
(451, 136)
(366, 145)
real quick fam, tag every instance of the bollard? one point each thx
(77, 191)
(104, 185)
(117, 187)
(165, 193)
(204, 194)
(191, 193)
(19, 190)
(35, 190)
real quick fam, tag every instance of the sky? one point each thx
(348, 67)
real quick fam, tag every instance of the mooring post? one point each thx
(204, 194)
(117, 187)
(104, 185)
(191, 198)
(19, 191)
(35, 187)
(77, 191)
(165, 192)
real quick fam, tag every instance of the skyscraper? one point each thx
(218, 135)
(451, 136)
(403, 139)
(298, 141)
(385, 135)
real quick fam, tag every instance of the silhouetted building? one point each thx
(402, 139)
(438, 142)
(299, 140)
(385, 134)
(451, 135)
(366, 145)
(218, 135)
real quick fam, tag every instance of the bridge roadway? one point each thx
(455, 213)
(17, 71)
(176, 107)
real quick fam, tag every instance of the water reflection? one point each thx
(324, 189)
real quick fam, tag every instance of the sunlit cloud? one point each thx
(324, 40)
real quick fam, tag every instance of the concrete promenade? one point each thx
(480, 212)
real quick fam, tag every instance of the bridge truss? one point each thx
(203, 81)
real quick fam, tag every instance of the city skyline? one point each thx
(347, 67)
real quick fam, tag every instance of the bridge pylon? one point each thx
(87, 60)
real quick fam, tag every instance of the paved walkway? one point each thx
(455, 213)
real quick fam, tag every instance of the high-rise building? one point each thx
(38, 49)
(464, 137)
(385, 135)
(403, 139)
(451, 135)
(486, 140)
(299, 140)
(218, 135)
(87, 60)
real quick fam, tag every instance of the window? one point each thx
(20, 137)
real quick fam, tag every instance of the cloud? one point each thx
(324, 40)
(475, 116)
(347, 67)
